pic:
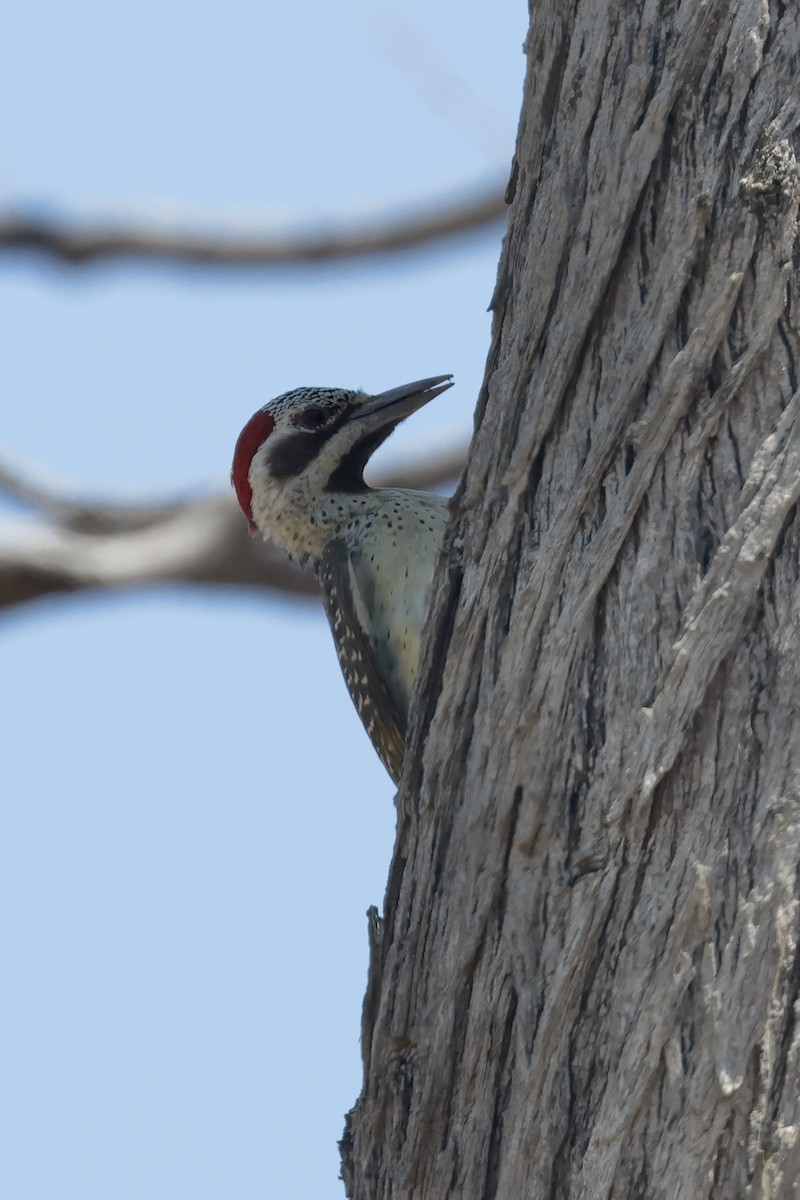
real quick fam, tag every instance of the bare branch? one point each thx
(77, 242)
(205, 542)
(198, 540)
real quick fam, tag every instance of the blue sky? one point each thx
(192, 821)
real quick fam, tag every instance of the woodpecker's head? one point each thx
(301, 454)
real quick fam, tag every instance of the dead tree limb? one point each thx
(93, 545)
(79, 242)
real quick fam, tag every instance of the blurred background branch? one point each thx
(199, 540)
(79, 241)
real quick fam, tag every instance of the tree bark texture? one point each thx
(585, 981)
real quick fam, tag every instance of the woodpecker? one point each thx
(298, 473)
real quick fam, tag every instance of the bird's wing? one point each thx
(349, 620)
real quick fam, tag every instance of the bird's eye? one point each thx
(312, 418)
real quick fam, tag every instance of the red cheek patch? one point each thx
(251, 439)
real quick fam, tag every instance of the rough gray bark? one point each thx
(585, 982)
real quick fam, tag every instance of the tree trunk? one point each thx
(585, 983)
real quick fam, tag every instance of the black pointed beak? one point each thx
(400, 402)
